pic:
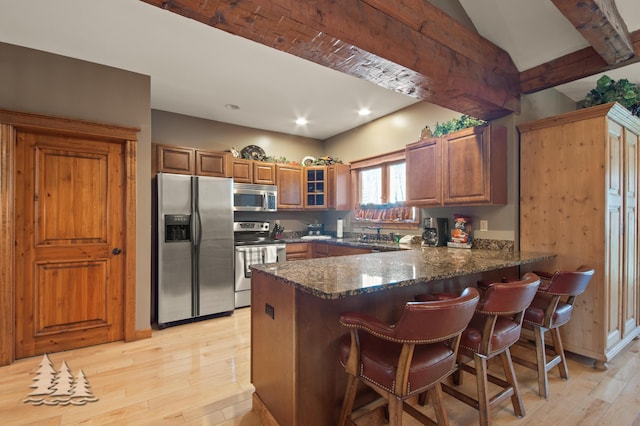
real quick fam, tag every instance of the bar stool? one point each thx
(402, 360)
(494, 328)
(548, 312)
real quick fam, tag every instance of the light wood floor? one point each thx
(198, 374)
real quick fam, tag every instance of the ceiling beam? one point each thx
(571, 67)
(601, 25)
(409, 46)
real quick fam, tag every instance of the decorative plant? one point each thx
(621, 91)
(456, 124)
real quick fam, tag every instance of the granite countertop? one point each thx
(343, 276)
(356, 242)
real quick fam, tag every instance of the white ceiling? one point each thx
(196, 70)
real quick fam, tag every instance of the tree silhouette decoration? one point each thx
(53, 387)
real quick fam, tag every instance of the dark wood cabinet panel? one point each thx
(298, 251)
(211, 163)
(475, 166)
(339, 187)
(240, 169)
(173, 159)
(289, 179)
(264, 173)
(424, 172)
(468, 167)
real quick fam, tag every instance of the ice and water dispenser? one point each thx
(177, 227)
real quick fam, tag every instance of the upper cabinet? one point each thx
(328, 187)
(188, 161)
(468, 167)
(339, 187)
(173, 159)
(289, 179)
(424, 172)
(315, 187)
(209, 163)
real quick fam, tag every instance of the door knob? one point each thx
(116, 251)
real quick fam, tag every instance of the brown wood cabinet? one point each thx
(299, 251)
(578, 199)
(289, 179)
(468, 167)
(424, 172)
(339, 187)
(240, 169)
(264, 173)
(173, 159)
(211, 163)
(188, 161)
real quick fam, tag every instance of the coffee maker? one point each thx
(436, 231)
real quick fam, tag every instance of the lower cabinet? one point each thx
(299, 251)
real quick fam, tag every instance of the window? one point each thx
(381, 191)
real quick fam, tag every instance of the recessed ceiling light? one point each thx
(301, 121)
(232, 107)
(364, 111)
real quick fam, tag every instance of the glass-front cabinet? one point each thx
(315, 184)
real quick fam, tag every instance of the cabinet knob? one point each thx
(116, 251)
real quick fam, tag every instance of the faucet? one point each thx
(377, 228)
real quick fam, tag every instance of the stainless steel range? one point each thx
(253, 244)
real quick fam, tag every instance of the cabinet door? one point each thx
(241, 170)
(424, 173)
(315, 185)
(264, 173)
(335, 250)
(298, 251)
(475, 166)
(630, 235)
(614, 241)
(174, 159)
(289, 180)
(320, 249)
(211, 163)
(339, 187)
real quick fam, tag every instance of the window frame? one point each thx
(384, 161)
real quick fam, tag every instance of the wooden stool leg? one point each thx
(510, 374)
(438, 404)
(395, 410)
(541, 360)
(557, 345)
(349, 398)
(483, 391)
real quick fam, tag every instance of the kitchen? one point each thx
(171, 128)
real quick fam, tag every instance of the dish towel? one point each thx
(252, 256)
(271, 254)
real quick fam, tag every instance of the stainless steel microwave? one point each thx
(255, 198)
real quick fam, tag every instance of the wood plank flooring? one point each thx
(198, 374)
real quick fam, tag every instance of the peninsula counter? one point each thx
(295, 307)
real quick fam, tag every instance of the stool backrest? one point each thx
(433, 321)
(570, 283)
(509, 298)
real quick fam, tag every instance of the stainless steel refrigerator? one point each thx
(194, 248)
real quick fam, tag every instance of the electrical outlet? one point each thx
(270, 310)
(484, 225)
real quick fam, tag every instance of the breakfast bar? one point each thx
(295, 307)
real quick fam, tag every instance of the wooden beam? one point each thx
(413, 47)
(571, 67)
(601, 25)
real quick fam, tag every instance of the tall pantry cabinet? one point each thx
(578, 199)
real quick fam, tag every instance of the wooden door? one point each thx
(241, 170)
(69, 273)
(173, 159)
